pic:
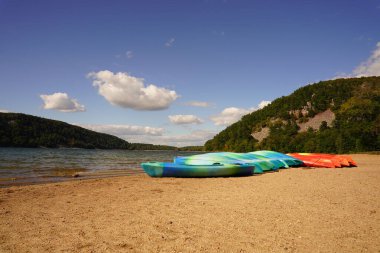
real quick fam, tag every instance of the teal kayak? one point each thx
(287, 160)
(165, 169)
(261, 163)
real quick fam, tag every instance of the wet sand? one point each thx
(294, 210)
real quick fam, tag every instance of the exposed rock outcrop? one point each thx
(262, 134)
(316, 121)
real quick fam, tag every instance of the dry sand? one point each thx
(294, 210)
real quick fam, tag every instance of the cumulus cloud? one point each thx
(170, 42)
(127, 91)
(184, 119)
(198, 104)
(4, 111)
(371, 67)
(61, 102)
(231, 115)
(124, 130)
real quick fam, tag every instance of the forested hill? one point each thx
(337, 116)
(21, 130)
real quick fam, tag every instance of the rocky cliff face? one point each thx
(328, 116)
(315, 122)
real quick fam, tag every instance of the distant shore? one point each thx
(294, 210)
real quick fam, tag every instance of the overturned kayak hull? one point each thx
(164, 169)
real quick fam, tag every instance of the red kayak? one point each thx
(345, 160)
(350, 160)
(324, 160)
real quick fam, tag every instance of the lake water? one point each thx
(38, 165)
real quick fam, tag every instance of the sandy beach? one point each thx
(294, 210)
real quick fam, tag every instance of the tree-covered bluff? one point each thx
(21, 130)
(355, 103)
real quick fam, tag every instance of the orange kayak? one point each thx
(350, 160)
(324, 160)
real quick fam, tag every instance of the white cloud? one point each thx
(263, 103)
(4, 111)
(194, 138)
(231, 115)
(145, 134)
(61, 102)
(170, 42)
(124, 130)
(129, 54)
(198, 104)
(184, 119)
(127, 91)
(371, 67)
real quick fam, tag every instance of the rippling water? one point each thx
(36, 165)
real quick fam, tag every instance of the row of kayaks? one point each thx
(324, 160)
(227, 164)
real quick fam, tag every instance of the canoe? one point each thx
(165, 169)
(261, 164)
(324, 160)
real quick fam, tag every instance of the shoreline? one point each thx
(22, 166)
(69, 174)
(294, 210)
(73, 178)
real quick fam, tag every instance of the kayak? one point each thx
(286, 160)
(314, 161)
(324, 160)
(350, 160)
(261, 164)
(165, 169)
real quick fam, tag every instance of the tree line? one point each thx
(22, 130)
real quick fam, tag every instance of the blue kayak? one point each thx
(261, 163)
(165, 169)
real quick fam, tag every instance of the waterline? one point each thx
(39, 165)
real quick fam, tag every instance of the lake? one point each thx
(37, 165)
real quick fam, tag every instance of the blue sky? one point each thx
(175, 72)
